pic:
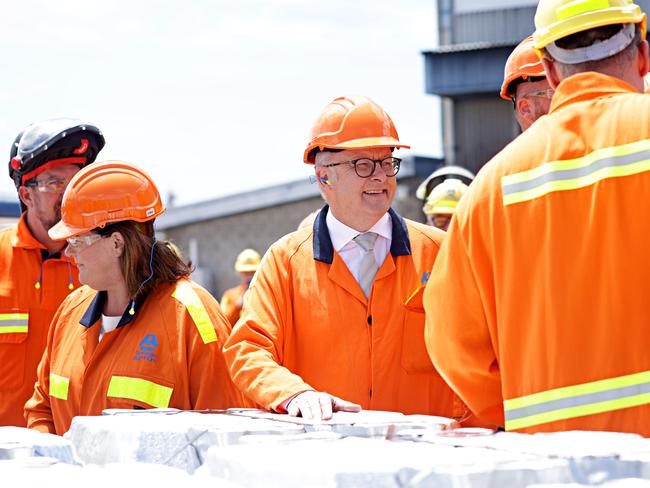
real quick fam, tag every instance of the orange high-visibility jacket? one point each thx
(31, 290)
(537, 307)
(168, 354)
(231, 302)
(306, 324)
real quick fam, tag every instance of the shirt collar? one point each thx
(23, 237)
(588, 86)
(341, 234)
(393, 224)
(94, 311)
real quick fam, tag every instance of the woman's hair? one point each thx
(167, 264)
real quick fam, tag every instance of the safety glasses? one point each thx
(548, 93)
(78, 243)
(52, 185)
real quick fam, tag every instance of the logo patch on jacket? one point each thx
(147, 347)
(425, 278)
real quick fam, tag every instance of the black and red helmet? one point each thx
(50, 143)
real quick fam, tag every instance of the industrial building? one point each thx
(466, 71)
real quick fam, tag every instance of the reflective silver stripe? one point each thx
(572, 174)
(577, 401)
(13, 323)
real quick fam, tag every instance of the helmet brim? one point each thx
(365, 143)
(62, 231)
(246, 268)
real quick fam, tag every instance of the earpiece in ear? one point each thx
(325, 180)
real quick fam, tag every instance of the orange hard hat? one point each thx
(522, 63)
(351, 123)
(106, 192)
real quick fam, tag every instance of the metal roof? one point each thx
(468, 69)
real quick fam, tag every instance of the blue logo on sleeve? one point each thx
(425, 278)
(147, 347)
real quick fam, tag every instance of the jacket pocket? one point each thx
(415, 358)
(131, 391)
(14, 328)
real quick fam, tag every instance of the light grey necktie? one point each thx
(368, 267)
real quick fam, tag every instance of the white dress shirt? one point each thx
(342, 240)
(109, 324)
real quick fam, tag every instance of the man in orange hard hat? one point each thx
(232, 300)
(36, 276)
(525, 84)
(537, 308)
(333, 318)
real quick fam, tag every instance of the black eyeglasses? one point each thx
(365, 167)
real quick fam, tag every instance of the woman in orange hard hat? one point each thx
(140, 334)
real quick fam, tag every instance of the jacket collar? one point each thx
(588, 86)
(23, 237)
(94, 311)
(324, 251)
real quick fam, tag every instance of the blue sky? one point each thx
(213, 97)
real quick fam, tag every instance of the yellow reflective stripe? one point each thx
(573, 412)
(582, 389)
(144, 391)
(14, 316)
(188, 297)
(578, 7)
(576, 173)
(59, 386)
(11, 323)
(578, 400)
(447, 203)
(13, 329)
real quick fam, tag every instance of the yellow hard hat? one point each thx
(247, 261)
(556, 19)
(444, 198)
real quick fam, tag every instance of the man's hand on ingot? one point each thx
(316, 405)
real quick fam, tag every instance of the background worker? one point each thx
(333, 318)
(525, 84)
(232, 300)
(537, 308)
(140, 334)
(441, 174)
(442, 202)
(35, 276)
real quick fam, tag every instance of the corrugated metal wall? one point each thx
(462, 6)
(483, 126)
(502, 24)
(496, 26)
